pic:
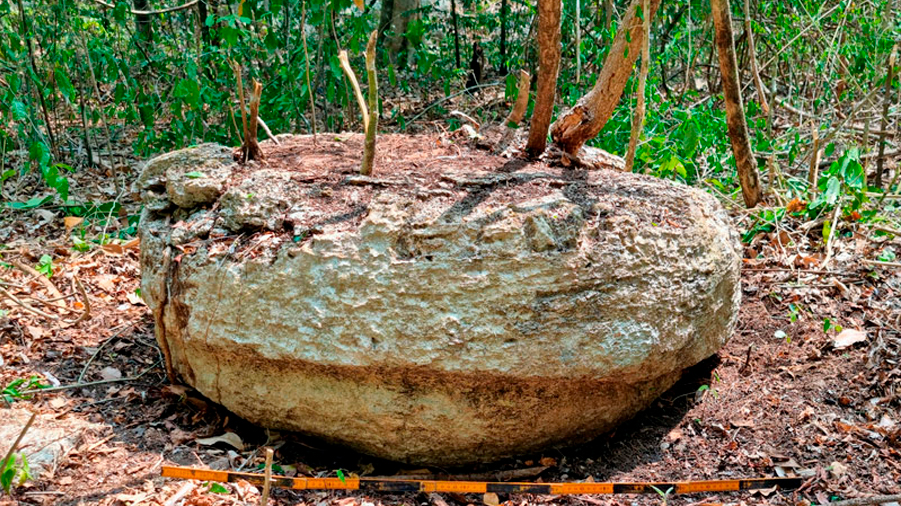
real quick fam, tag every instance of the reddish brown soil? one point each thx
(767, 404)
(441, 171)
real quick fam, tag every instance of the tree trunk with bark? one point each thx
(142, 22)
(402, 12)
(549, 12)
(591, 113)
(385, 16)
(735, 112)
(503, 66)
(457, 35)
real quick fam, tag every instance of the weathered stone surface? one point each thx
(457, 323)
(47, 441)
(190, 177)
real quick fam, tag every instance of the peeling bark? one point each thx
(593, 110)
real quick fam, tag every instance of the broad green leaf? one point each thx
(853, 174)
(690, 138)
(833, 189)
(19, 111)
(39, 152)
(64, 84)
(30, 203)
(189, 91)
(218, 488)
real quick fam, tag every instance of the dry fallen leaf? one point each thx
(847, 337)
(806, 414)
(795, 206)
(131, 499)
(674, 435)
(838, 469)
(548, 461)
(45, 215)
(177, 391)
(179, 437)
(491, 499)
(135, 299)
(71, 222)
(110, 373)
(107, 282)
(229, 438)
(115, 249)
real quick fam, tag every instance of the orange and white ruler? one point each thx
(482, 487)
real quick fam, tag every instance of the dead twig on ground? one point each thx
(864, 501)
(28, 308)
(94, 355)
(180, 494)
(268, 132)
(86, 315)
(54, 291)
(464, 116)
(881, 264)
(90, 383)
(887, 230)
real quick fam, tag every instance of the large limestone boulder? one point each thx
(456, 307)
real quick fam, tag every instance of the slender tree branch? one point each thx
(150, 13)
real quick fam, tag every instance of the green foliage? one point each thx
(218, 488)
(178, 88)
(13, 391)
(845, 180)
(794, 312)
(887, 255)
(15, 472)
(829, 324)
(45, 266)
(663, 494)
(764, 221)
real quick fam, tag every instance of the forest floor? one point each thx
(785, 397)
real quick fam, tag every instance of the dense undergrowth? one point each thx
(80, 80)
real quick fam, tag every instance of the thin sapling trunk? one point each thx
(373, 123)
(250, 148)
(755, 72)
(586, 119)
(638, 117)
(457, 34)
(511, 123)
(735, 112)
(883, 124)
(352, 77)
(548, 65)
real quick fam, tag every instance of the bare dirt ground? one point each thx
(786, 396)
